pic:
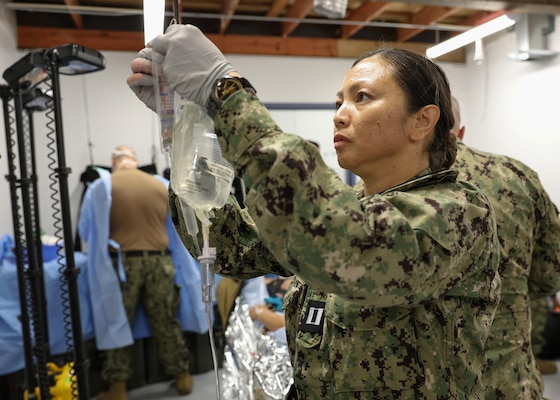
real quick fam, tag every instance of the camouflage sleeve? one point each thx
(315, 225)
(239, 251)
(527, 221)
(544, 277)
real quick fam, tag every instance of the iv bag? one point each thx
(200, 176)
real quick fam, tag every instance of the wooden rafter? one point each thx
(299, 9)
(228, 9)
(402, 20)
(366, 12)
(277, 7)
(76, 18)
(479, 18)
(34, 37)
(534, 6)
(426, 16)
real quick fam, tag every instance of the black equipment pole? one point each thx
(30, 256)
(31, 381)
(42, 299)
(81, 363)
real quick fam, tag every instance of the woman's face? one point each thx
(371, 124)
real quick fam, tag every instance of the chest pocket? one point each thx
(372, 349)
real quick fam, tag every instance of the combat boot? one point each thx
(117, 391)
(546, 367)
(184, 383)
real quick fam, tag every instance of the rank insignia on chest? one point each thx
(314, 317)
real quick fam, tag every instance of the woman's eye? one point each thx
(337, 105)
(361, 97)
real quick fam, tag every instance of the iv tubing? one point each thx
(207, 271)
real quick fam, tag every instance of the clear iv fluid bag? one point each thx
(208, 176)
(200, 176)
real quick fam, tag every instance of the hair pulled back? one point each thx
(424, 83)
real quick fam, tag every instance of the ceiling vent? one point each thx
(531, 31)
(335, 9)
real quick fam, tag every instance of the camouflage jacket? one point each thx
(529, 234)
(394, 293)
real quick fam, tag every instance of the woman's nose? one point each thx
(340, 116)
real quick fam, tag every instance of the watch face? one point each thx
(227, 86)
(224, 88)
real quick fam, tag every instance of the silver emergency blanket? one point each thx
(256, 366)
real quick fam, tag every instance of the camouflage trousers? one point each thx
(150, 282)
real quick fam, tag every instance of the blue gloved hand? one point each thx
(192, 62)
(274, 302)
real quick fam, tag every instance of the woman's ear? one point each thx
(424, 122)
(461, 133)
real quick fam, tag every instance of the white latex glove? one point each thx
(141, 81)
(192, 62)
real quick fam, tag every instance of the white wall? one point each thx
(512, 107)
(503, 103)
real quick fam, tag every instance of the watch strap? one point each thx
(223, 89)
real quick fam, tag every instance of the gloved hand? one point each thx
(192, 62)
(141, 81)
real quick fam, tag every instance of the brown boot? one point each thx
(184, 383)
(546, 367)
(117, 391)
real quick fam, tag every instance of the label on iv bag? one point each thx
(207, 185)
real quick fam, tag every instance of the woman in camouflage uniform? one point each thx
(396, 281)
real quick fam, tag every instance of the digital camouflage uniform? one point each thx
(529, 234)
(539, 314)
(394, 293)
(150, 281)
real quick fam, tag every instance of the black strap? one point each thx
(142, 253)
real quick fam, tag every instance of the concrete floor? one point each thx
(205, 389)
(552, 384)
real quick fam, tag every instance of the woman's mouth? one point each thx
(340, 140)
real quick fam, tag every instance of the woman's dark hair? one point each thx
(424, 83)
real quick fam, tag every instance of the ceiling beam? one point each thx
(478, 18)
(527, 6)
(366, 12)
(228, 9)
(277, 7)
(44, 38)
(299, 9)
(426, 16)
(76, 18)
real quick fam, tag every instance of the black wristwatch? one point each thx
(223, 88)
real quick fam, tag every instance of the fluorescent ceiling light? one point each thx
(154, 13)
(479, 32)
